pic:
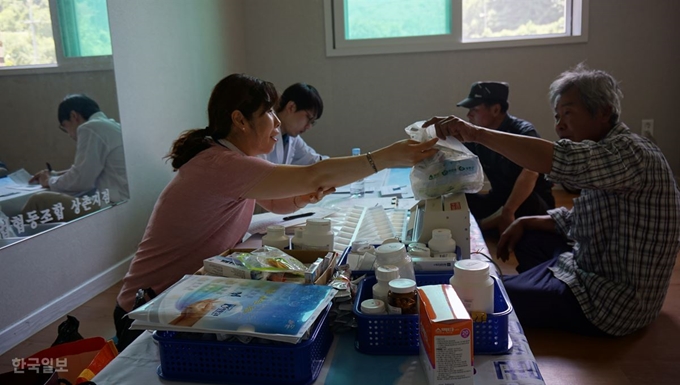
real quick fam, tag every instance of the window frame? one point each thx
(64, 64)
(337, 45)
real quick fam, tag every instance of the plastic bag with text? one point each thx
(454, 169)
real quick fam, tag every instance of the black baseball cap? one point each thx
(481, 92)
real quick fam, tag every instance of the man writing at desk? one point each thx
(99, 161)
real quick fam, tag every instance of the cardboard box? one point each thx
(446, 347)
(220, 266)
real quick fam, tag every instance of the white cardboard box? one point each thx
(446, 347)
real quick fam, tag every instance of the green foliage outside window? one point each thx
(26, 36)
(26, 33)
(500, 18)
(368, 19)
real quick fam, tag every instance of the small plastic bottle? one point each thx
(357, 188)
(402, 297)
(296, 243)
(373, 307)
(442, 244)
(474, 285)
(384, 274)
(318, 234)
(276, 237)
(362, 246)
(419, 250)
(395, 254)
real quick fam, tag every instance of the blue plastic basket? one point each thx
(399, 334)
(237, 363)
(359, 273)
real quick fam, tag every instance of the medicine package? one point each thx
(454, 169)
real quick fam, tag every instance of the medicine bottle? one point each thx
(362, 246)
(373, 307)
(474, 285)
(384, 274)
(418, 250)
(276, 237)
(402, 297)
(296, 243)
(442, 245)
(318, 234)
(395, 254)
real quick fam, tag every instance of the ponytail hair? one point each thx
(236, 92)
(188, 145)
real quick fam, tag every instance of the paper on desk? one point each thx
(260, 222)
(21, 177)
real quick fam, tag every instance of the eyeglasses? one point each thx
(63, 129)
(311, 120)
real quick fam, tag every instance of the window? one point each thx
(360, 27)
(28, 29)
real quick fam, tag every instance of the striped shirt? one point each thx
(625, 226)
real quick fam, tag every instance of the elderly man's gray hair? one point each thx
(598, 89)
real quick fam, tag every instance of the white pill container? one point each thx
(442, 244)
(276, 237)
(318, 234)
(395, 254)
(474, 285)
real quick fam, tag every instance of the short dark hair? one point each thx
(305, 97)
(79, 103)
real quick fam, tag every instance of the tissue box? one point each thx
(446, 347)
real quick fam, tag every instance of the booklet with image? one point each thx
(204, 304)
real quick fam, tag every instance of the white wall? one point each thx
(370, 99)
(28, 107)
(167, 56)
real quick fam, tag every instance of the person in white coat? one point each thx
(299, 107)
(98, 167)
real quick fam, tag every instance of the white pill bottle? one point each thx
(395, 254)
(384, 274)
(318, 234)
(276, 237)
(442, 244)
(474, 285)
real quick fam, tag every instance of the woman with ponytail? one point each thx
(207, 208)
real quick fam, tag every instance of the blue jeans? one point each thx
(539, 299)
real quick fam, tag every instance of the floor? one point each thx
(650, 356)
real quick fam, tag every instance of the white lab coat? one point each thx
(295, 152)
(99, 162)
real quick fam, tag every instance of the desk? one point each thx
(344, 365)
(13, 197)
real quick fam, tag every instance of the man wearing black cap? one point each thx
(515, 191)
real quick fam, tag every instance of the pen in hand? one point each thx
(49, 166)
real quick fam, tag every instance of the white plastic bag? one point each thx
(454, 169)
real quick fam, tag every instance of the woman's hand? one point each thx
(509, 239)
(454, 126)
(315, 197)
(404, 153)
